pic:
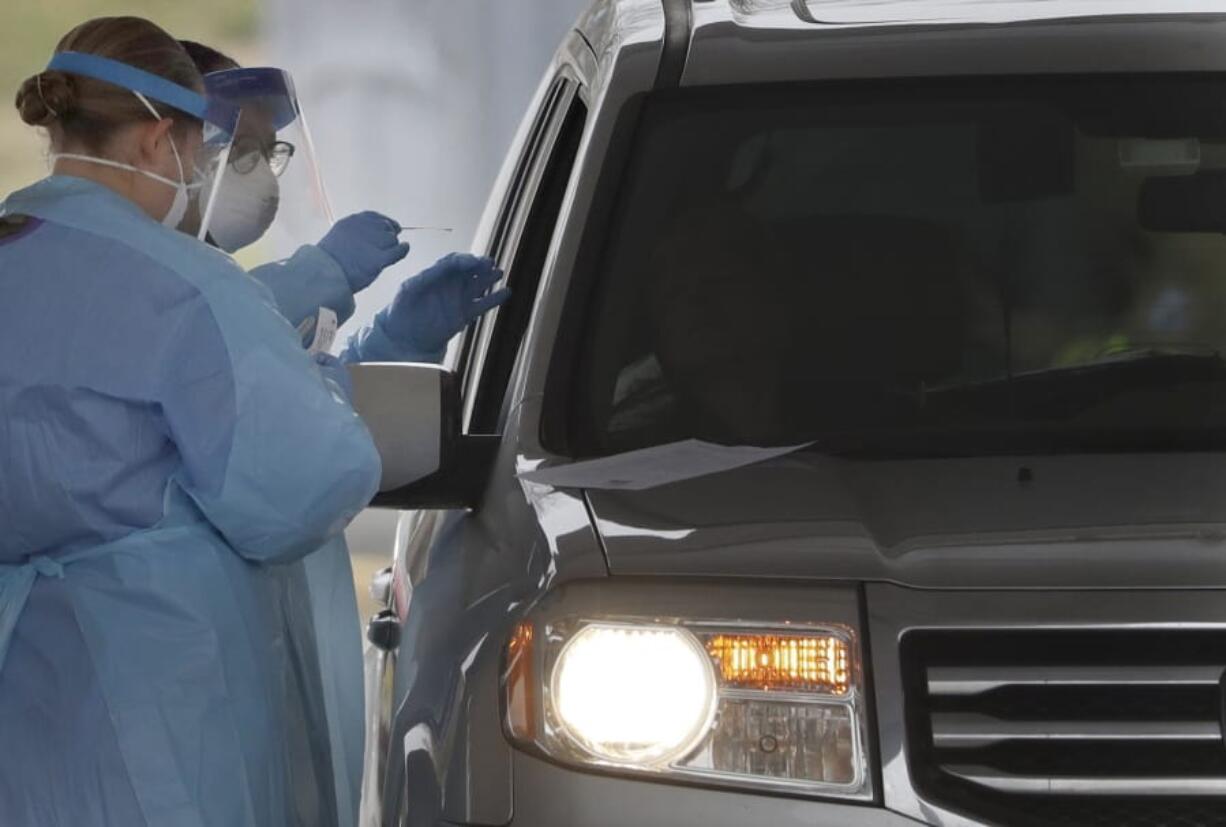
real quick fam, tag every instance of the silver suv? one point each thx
(966, 261)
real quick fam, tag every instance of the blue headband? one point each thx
(146, 83)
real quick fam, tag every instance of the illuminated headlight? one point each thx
(633, 694)
(775, 707)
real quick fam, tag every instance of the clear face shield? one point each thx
(260, 180)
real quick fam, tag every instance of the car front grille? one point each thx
(1069, 727)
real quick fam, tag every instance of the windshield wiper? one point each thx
(1196, 358)
(1141, 353)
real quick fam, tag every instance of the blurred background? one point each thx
(411, 103)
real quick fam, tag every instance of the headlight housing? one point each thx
(703, 695)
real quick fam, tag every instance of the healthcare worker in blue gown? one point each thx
(429, 309)
(165, 444)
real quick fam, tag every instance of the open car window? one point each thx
(522, 241)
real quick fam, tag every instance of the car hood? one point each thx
(1116, 521)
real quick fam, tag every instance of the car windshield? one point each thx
(926, 267)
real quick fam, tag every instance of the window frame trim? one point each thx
(518, 202)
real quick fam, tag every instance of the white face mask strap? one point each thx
(179, 161)
(148, 106)
(107, 162)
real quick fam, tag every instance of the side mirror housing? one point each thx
(413, 413)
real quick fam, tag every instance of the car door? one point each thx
(525, 210)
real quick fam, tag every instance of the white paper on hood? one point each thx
(653, 467)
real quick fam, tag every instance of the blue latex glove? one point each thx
(429, 309)
(364, 245)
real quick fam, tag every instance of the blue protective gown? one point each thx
(301, 285)
(163, 438)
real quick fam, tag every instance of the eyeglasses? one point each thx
(247, 152)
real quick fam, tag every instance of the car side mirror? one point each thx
(413, 414)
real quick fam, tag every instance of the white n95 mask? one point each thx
(246, 206)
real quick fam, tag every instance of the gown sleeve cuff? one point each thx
(306, 281)
(373, 344)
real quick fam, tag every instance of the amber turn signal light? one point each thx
(783, 663)
(520, 682)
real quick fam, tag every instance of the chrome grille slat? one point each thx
(968, 730)
(955, 680)
(1089, 785)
